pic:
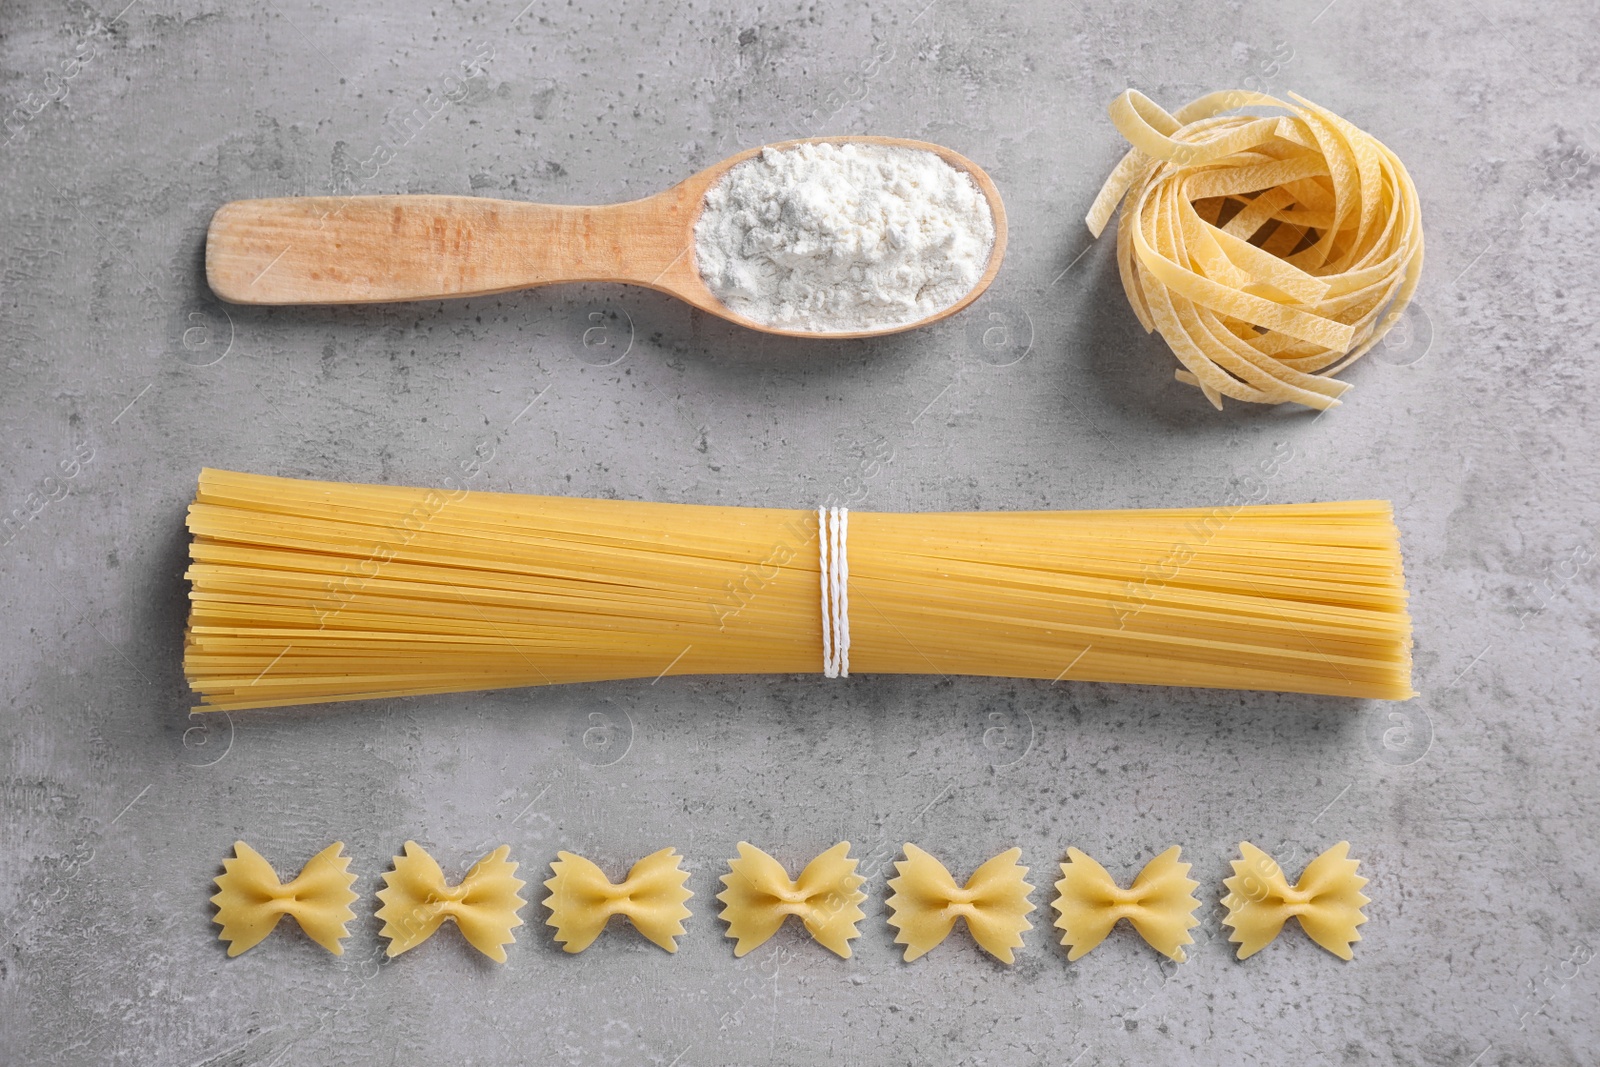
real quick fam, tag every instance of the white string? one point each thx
(832, 528)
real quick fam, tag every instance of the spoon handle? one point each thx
(375, 249)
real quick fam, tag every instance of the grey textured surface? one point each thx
(1473, 807)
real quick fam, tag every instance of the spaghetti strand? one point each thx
(308, 592)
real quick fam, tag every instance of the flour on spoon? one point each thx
(837, 238)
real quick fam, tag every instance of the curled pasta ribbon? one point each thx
(1270, 253)
(417, 901)
(1327, 900)
(582, 899)
(760, 896)
(250, 900)
(927, 902)
(1160, 904)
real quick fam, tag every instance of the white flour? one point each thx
(834, 238)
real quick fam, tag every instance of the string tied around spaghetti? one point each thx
(832, 528)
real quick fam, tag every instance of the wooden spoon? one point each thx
(378, 249)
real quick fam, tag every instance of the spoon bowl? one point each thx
(383, 249)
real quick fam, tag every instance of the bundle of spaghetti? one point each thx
(306, 592)
(1270, 252)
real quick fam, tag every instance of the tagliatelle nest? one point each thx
(1269, 252)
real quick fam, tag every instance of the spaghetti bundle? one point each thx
(306, 592)
(1264, 250)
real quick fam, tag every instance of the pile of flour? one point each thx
(834, 238)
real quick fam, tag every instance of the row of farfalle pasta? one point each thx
(925, 904)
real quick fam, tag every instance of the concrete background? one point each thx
(1472, 808)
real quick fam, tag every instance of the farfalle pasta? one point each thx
(582, 899)
(1327, 900)
(1160, 904)
(250, 899)
(417, 900)
(927, 902)
(760, 895)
